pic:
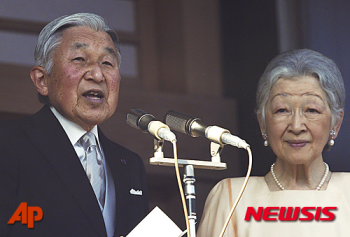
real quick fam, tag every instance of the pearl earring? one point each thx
(331, 141)
(266, 143)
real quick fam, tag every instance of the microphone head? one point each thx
(139, 119)
(185, 124)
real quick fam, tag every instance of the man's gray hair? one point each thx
(51, 35)
(300, 63)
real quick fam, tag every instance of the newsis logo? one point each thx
(27, 215)
(291, 213)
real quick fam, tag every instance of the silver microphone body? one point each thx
(147, 123)
(195, 127)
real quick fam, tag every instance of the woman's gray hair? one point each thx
(299, 63)
(51, 35)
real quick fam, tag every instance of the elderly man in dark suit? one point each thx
(58, 159)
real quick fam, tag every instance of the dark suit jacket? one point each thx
(38, 165)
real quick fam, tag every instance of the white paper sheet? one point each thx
(156, 224)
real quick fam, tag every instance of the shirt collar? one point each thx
(73, 130)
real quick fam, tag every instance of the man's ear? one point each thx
(39, 78)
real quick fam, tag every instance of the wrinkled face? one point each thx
(298, 120)
(84, 83)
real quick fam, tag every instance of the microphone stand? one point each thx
(189, 178)
(190, 195)
(214, 164)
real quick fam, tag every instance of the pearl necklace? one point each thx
(319, 185)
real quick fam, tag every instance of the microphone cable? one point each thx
(180, 188)
(241, 192)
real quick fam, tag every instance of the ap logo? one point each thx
(27, 215)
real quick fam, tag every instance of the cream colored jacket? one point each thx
(257, 194)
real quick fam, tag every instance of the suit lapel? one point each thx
(49, 137)
(120, 175)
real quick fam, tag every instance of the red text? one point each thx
(290, 213)
(27, 215)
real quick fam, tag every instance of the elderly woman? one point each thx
(300, 108)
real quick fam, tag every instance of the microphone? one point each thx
(147, 123)
(195, 127)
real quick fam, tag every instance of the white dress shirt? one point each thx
(74, 133)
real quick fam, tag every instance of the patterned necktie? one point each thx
(94, 166)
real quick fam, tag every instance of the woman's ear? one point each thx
(261, 124)
(39, 78)
(338, 125)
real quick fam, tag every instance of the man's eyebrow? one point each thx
(111, 51)
(79, 45)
